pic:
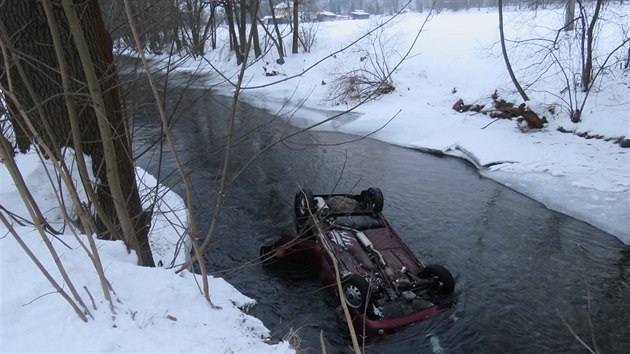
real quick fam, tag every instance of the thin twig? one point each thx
(322, 345)
(344, 306)
(568, 326)
(91, 297)
(485, 126)
(169, 139)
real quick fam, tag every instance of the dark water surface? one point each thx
(519, 267)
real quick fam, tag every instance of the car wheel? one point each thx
(375, 199)
(303, 205)
(446, 283)
(356, 292)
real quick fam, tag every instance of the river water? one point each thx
(520, 269)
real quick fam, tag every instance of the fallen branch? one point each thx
(503, 109)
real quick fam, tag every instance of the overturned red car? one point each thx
(384, 285)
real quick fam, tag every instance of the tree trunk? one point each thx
(253, 9)
(505, 56)
(213, 23)
(242, 26)
(295, 27)
(569, 15)
(280, 46)
(193, 15)
(229, 14)
(38, 90)
(207, 28)
(587, 70)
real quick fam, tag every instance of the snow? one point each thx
(456, 56)
(155, 309)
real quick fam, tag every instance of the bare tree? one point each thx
(577, 58)
(296, 22)
(569, 15)
(228, 6)
(198, 23)
(308, 34)
(373, 77)
(505, 56)
(378, 63)
(241, 20)
(162, 23)
(278, 41)
(253, 6)
(588, 37)
(33, 78)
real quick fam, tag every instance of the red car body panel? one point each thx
(365, 245)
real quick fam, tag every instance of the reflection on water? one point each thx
(519, 267)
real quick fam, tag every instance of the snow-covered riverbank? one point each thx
(458, 56)
(155, 309)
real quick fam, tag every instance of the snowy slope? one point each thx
(457, 56)
(155, 309)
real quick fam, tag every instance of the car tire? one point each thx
(356, 292)
(303, 205)
(375, 199)
(442, 275)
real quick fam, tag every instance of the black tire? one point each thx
(375, 199)
(446, 283)
(356, 292)
(303, 205)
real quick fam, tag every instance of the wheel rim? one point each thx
(372, 200)
(439, 284)
(353, 296)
